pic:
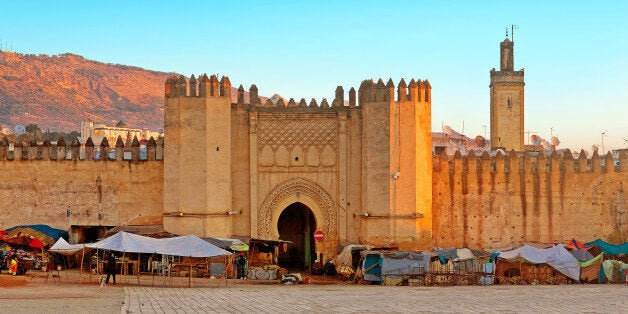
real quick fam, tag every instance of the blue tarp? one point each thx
(372, 265)
(47, 230)
(405, 263)
(609, 248)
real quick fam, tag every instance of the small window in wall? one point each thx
(438, 150)
(143, 154)
(127, 156)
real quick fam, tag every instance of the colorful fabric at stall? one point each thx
(609, 248)
(575, 245)
(44, 233)
(590, 269)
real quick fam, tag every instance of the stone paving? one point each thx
(354, 299)
(76, 293)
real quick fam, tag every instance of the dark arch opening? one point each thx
(297, 224)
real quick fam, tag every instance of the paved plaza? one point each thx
(32, 295)
(361, 299)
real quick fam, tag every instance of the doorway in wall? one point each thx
(297, 225)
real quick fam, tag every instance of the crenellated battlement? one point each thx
(205, 86)
(417, 91)
(529, 162)
(75, 151)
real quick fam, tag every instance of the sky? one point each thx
(574, 52)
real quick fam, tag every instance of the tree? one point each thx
(33, 133)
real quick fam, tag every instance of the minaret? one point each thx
(507, 102)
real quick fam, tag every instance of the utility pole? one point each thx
(603, 136)
(484, 126)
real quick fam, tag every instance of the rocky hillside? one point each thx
(58, 92)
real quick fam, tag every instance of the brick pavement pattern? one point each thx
(66, 298)
(354, 299)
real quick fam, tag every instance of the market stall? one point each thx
(189, 247)
(262, 259)
(531, 265)
(28, 251)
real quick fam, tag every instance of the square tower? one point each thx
(197, 156)
(507, 102)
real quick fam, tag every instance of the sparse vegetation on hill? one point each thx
(58, 92)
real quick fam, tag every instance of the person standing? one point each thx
(241, 264)
(13, 265)
(111, 268)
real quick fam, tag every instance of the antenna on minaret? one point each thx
(512, 31)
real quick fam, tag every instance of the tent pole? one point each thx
(67, 263)
(226, 280)
(81, 269)
(139, 267)
(122, 267)
(190, 274)
(152, 270)
(90, 266)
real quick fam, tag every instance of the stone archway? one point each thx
(297, 225)
(293, 191)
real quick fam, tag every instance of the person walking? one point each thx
(111, 268)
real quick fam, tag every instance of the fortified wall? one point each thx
(64, 186)
(235, 167)
(491, 202)
(362, 167)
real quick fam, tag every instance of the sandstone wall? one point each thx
(63, 193)
(483, 202)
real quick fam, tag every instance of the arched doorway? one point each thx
(297, 224)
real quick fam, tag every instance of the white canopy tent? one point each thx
(64, 248)
(127, 242)
(189, 245)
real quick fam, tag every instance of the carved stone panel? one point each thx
(296, 186)
(291, 132)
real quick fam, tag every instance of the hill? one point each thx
(58, 92)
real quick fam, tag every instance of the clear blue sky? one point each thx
(574, 52)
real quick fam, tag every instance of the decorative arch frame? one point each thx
(302, 191)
